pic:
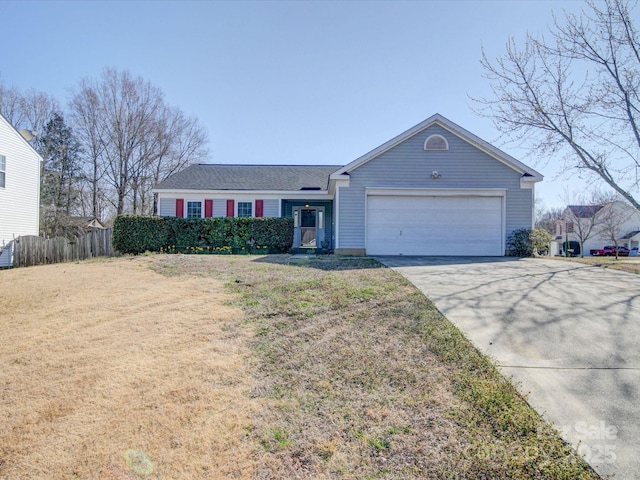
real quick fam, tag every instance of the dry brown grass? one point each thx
(103, 360)
(335, 369)
(363, 378)
(625, 264)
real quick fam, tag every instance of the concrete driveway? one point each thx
(569, 333)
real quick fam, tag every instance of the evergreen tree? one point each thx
(61, 174)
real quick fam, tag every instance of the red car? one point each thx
(609, 251)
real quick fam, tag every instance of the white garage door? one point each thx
(423, 225)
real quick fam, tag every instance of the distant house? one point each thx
(597, 224)
(82, 225)
(19, 188)
(435, 189)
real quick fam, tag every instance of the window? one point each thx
(245, 209)
(3, 168)
(569, 227)
(194, 209)
(436, 142)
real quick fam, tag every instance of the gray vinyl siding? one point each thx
(270, 208)
(167, 207)
(408, 165)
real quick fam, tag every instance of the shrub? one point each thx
(276, 235)
(518, 244)
(540, 240)
(526, 242)
(137, 234)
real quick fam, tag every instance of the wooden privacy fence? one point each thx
(32, 250)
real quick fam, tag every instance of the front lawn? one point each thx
(362, 377)
(625, 264)
(245, 367)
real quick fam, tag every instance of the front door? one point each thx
(308, 225)
(308, 217)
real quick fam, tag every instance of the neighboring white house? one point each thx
(597, 224)
(19, 188)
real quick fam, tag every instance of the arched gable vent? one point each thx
(436, 142)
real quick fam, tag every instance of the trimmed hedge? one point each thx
(137, 234)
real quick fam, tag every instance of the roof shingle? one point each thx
(250, 177)
(584, 211)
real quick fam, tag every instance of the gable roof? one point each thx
(584, 211)
(250, 177)
(630, 235)
(19, 135)
(437, 119)
(86, 222)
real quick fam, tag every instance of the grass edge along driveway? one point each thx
(362, 377)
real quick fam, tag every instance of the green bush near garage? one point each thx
(527, 242)
(135, 234)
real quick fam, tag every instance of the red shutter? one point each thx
(208, 208)
(180, 207)
(259, 208)
(231, 209)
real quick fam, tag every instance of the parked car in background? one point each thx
(609, 251)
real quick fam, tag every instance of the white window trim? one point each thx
(4, 171)
(253, 207)
(438, 192)
(185, 214)
(436, 135)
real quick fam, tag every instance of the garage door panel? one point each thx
(408, 225)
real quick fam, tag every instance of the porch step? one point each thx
(304, 255)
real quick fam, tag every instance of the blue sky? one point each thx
(309, 82)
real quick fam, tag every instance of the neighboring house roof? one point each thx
(250, 177)
(584, 211)
(87, 222)
(437, 119)
(630, 235)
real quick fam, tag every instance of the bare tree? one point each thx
(582, 217)
(612, 219)
(39, 108)
(130, 107)
(11, 106)
(129, 140)
(576, 92)
(132, 139)
(582, 221)
(184, 141)
(31, 110)
(86, 116)
(546, 219)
